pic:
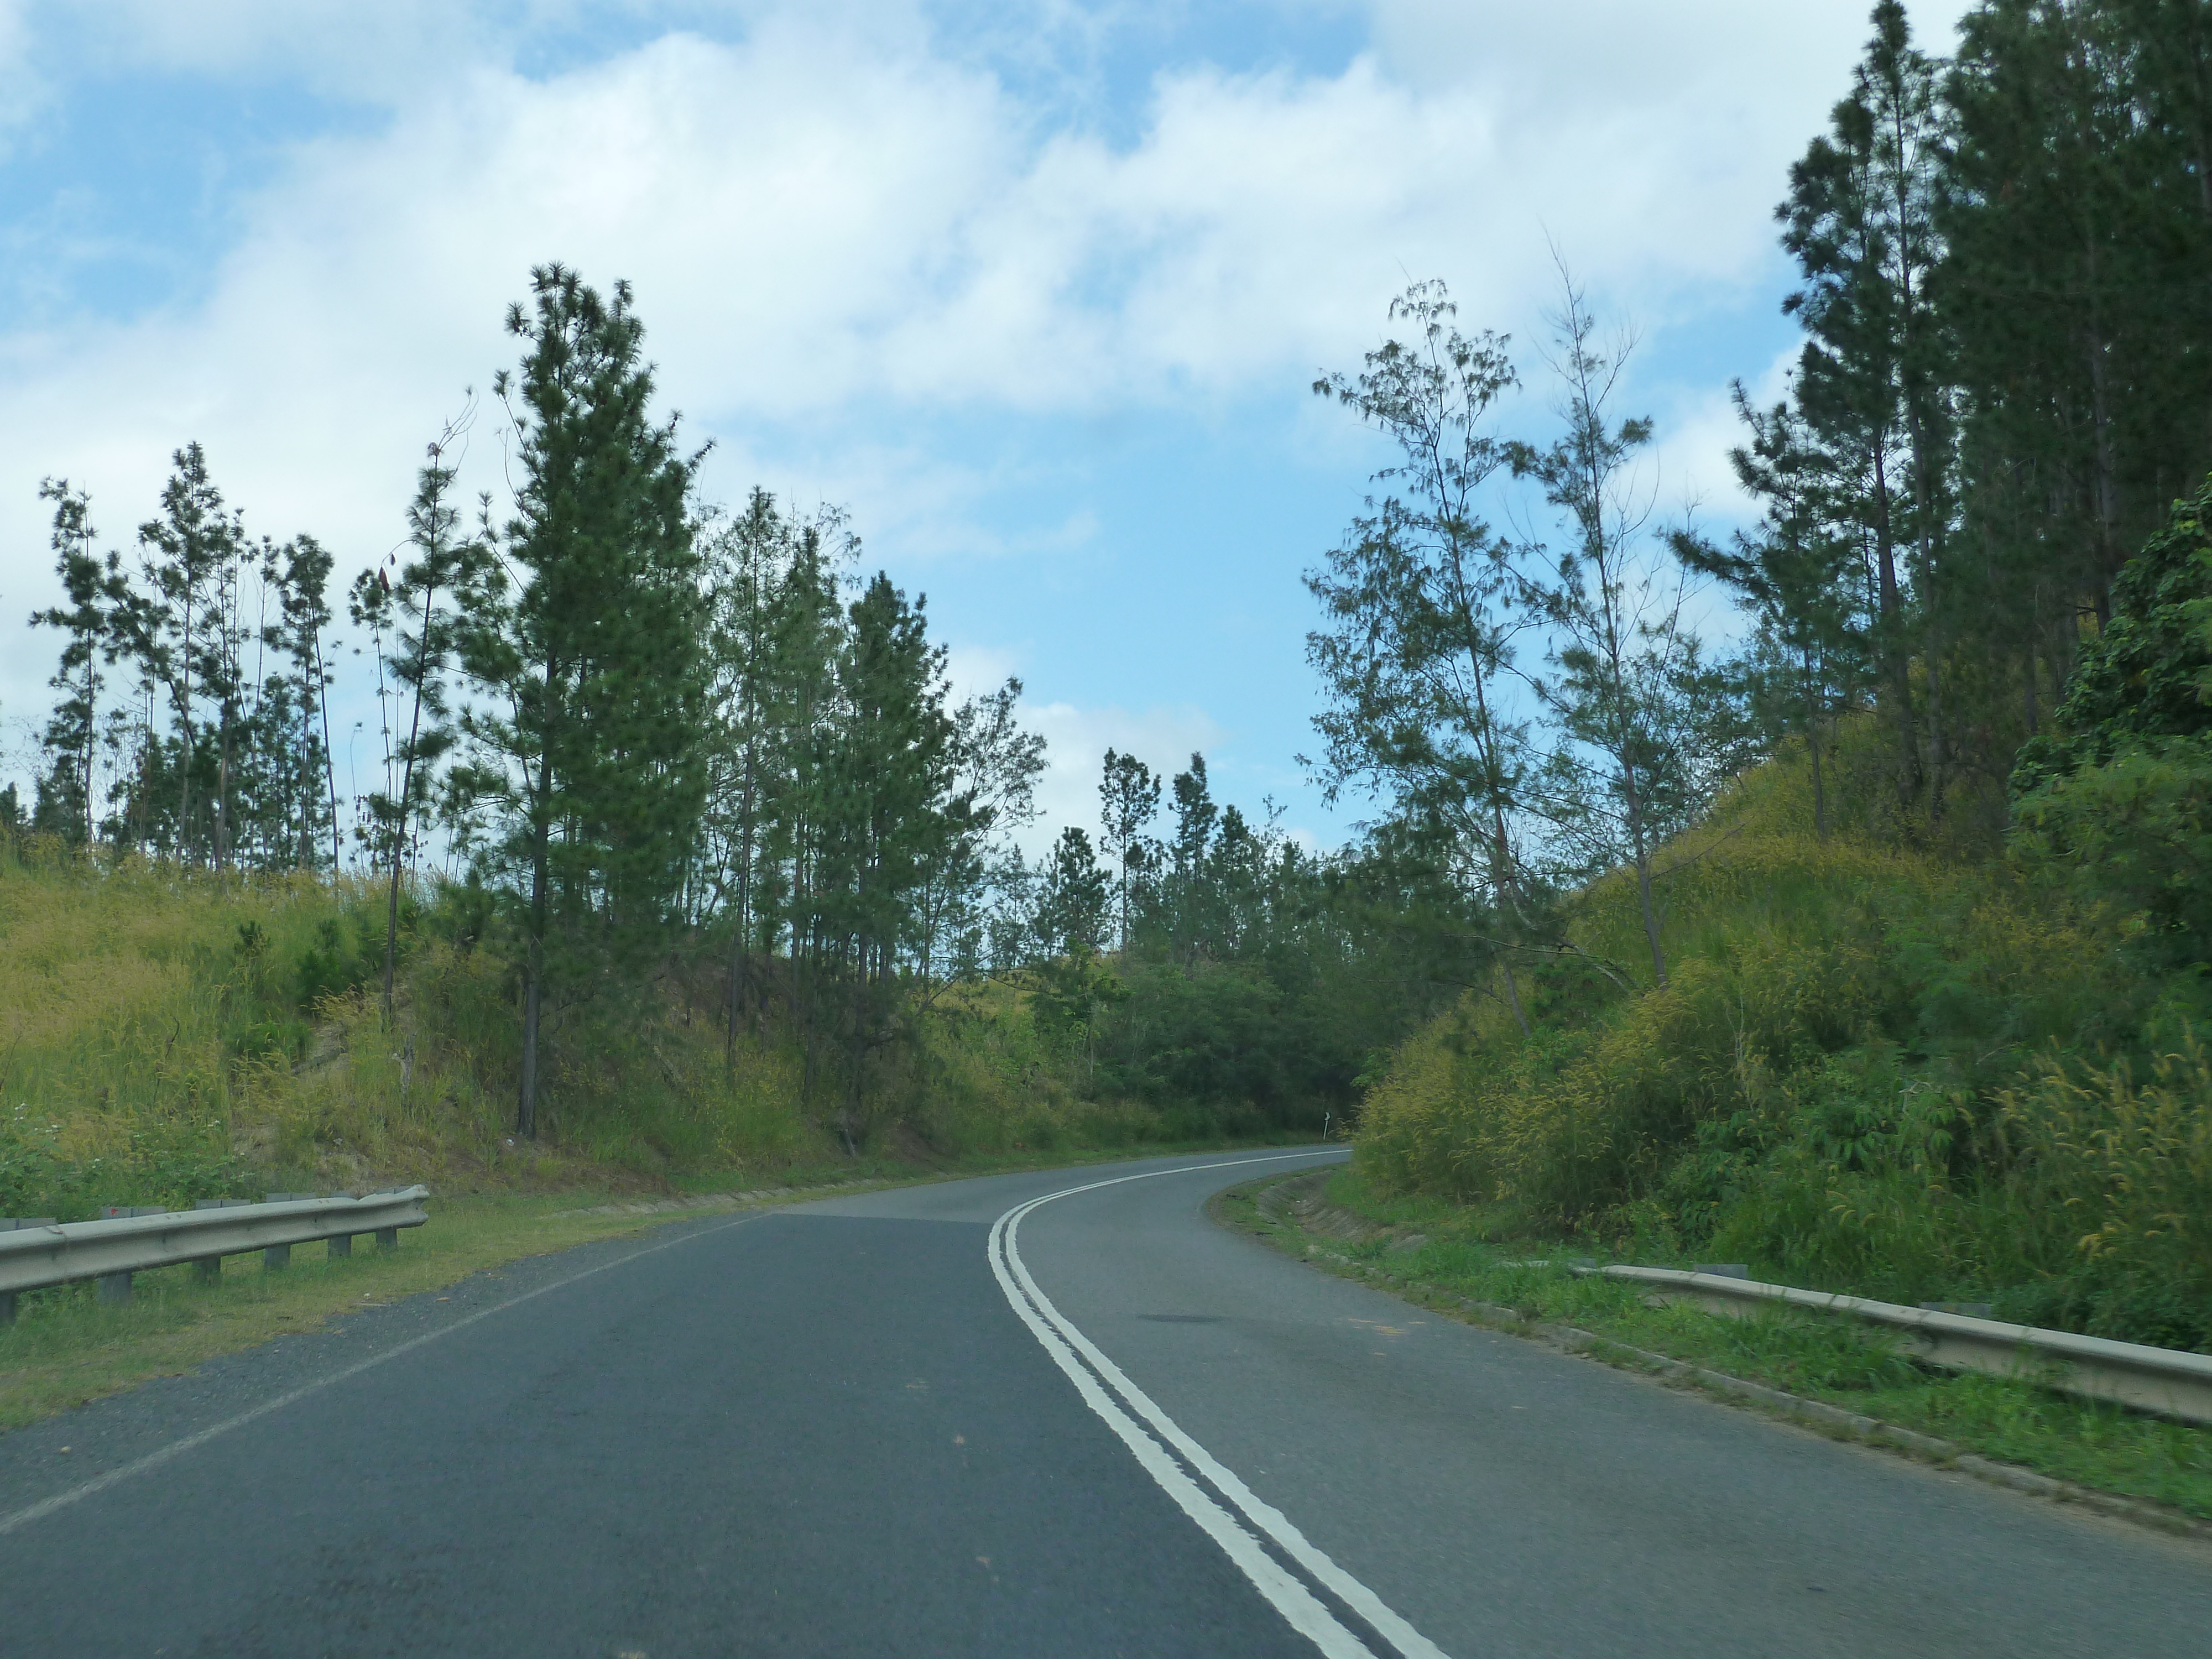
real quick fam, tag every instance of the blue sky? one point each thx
(1035, 290)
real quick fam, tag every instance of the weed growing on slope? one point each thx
(1870, 1070)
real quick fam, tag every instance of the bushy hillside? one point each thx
(166, 1035)
(1873, 1068)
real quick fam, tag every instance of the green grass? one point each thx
(1839, 1362)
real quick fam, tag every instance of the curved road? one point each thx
(1053, 1413)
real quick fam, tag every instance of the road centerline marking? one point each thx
(1099, 1381)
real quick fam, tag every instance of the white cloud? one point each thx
(1164, 737)
(24, 93)
(338, 48)
(827, 220)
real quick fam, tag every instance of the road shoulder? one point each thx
(1293, 1214)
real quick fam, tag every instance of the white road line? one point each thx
(176, 1448)
(1064, 1342)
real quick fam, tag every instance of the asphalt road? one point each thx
(944, 1420)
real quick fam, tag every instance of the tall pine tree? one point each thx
(583, 762)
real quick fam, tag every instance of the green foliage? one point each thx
(583, 787)
(337, 961)
(2148, 671)
(1871, 1071)
(2125, 1164)
(2116, 803)
(2134, 833)
(166, 1162)
(1877, 1071)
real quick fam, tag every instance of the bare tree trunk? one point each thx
(330, 757)
(1646, 901)
(1504, 885)
(735, 1002)
(1812, 749)
(184, 720)
(1513, 996)
(2108, 477)
(1896, 661)
(392, 933)
(406, 800)
(1938, 756)
(91, 727)
(222, 791)
(526, 1116)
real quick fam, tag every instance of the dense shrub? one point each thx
(1869, 1070)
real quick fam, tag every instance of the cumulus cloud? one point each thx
(830, 220)
(1164, 737)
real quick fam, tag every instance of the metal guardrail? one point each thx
(2166, 1380)
(38, 1253)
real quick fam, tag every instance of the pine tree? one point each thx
(1128, 799)
(748, 561)
(420, 613)
(185, 637)
(1798, 572)
(1860, 222)
(301, 734)
(588, 666)
(1073, 898)
(1190, 895)
(2080, 230)
(96, 590)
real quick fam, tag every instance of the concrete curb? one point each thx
(1832, 1420)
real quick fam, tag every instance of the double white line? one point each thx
(1258, 1537)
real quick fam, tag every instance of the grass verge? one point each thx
(1437, 1254)
(66, 1348)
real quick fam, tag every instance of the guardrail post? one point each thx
(8, 1224)
(115, 1288)
(340, 1244)
(209, 1268)
(387, 1238)
(280, 1255)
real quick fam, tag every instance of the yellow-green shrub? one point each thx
(1849, 1077)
